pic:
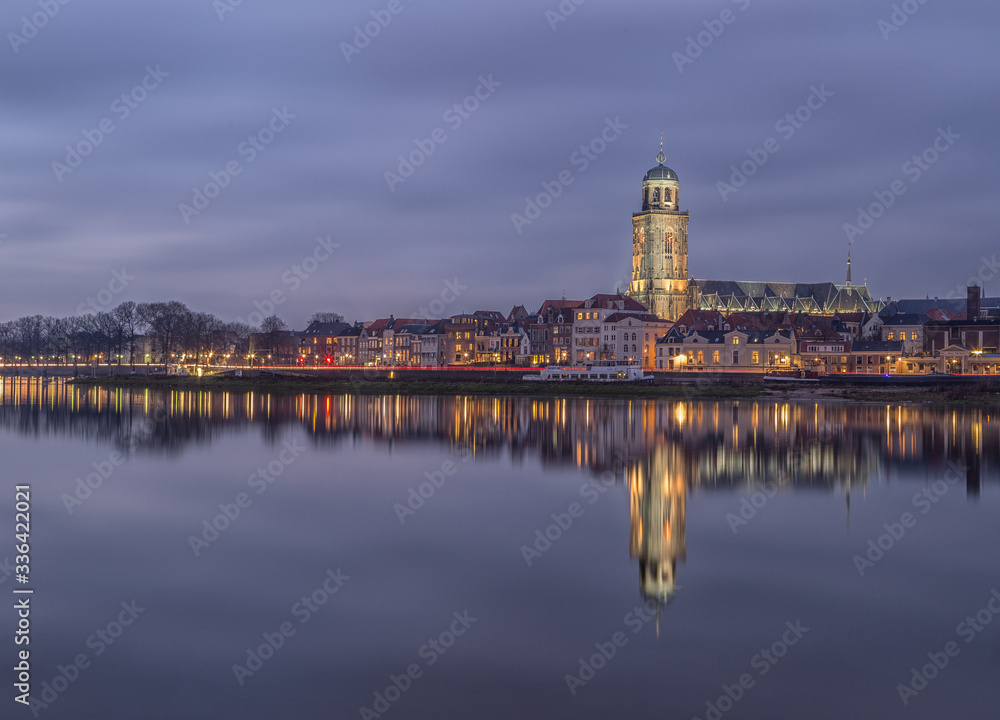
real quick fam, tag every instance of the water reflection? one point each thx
(661, 449)
(658, 506)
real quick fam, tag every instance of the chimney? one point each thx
(972, 303)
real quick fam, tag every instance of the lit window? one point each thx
(736, 339)
(715, 357)
(756, 357)
(890, 334)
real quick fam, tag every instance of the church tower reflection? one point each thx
(658, 506)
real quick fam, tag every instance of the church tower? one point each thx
(660, 246)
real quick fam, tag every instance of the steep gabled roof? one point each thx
(325, 328)
(613, 302)
(557, 305)
(699, 319)
(906, 319)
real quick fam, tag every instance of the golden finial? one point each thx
(660, 157)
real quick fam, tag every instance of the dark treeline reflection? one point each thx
(659, 449)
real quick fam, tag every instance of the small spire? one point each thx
(660, 157)
(848, 266)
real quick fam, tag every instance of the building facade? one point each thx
(588, 324)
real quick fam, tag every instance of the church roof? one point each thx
(823, 298)
(660, 172)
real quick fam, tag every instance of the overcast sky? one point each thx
(336, 119)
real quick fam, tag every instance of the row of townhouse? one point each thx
(906, 337)
(726, 350)
(615, 328)
(759, 342)
(383, 342)
(946, 335)
(608, 328)
(775, 350)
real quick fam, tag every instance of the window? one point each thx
(755, 357)
(701, 357)
(715, 356)
(890, 335)
(736, 357)
(736, 339)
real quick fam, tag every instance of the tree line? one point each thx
(131, 331)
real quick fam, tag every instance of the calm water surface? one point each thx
(520, 558)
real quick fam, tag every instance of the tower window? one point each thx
(656, 195)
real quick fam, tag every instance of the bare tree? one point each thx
(30, 337)
(167, 323)
(271, 329)
(326, 317)
(242, 331)
(127, 324)
(8, 335)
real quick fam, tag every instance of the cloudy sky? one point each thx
(120, 117)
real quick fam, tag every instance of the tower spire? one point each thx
(660, 157)
(848, 265)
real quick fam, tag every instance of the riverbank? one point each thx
(702, 389)
(424, 387)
